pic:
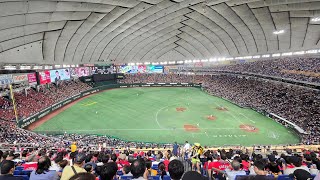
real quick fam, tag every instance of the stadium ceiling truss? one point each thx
(125, 31)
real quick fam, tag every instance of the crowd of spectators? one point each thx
(301, 69)
(30, 101)
(108, 164)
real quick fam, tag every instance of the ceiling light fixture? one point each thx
(278, 32)
(315, 19)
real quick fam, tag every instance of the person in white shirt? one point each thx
(186, 150)
(297, 163)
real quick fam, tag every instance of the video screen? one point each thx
(80, 71)
(141, 69)
(59, 75)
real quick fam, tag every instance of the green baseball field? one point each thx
(166, 115)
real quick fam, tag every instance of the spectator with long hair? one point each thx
(42, 172)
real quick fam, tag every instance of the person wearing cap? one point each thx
(197, 150)
(301, 174)
(70, 171)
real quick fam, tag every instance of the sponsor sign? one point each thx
(18, 78)
(6, 79)
(32, 78)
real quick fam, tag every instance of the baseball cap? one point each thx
(301, 174)
(197, 144)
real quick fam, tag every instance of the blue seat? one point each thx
(166, 177)
(25, 177)
(284, 177)
(154, 177)
(17, 172)
(155, 167)
(119, 173)
(19, 168)
(126, 177)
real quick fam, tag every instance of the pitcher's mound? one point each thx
(181, 109)
(191, 128)
(211, 118)
(222, 109)
(248, 128)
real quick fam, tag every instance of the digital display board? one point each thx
(141, 69)
(59, 75)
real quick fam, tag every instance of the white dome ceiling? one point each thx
(125, 31)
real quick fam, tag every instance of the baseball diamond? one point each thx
(168, 114)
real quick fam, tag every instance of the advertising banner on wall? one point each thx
(44, 77)
(6, 79)
(19, 78)
(59, 75)
(80, 71)
(32, 78)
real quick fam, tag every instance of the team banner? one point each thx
(18, 78)
(141, 69)
(80, 71)
(59, 75)
(44, 77)
(32, 78)
(6, 79)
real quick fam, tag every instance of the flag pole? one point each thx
(14, 103)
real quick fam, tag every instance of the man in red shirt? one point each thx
(122, 161)
(219, 166)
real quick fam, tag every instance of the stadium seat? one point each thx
(284, 177)
(154, 177)
(25, 177)
(19, 168)
(166, 177)
(126, 177)
(155, 167)
(119, 173)
(17, 172)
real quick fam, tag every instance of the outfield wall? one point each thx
(27, 121)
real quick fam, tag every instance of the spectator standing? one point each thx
(70, 171)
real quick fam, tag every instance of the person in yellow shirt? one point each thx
(151, 172)
(70, 171)
(73, 147)
(197, 150)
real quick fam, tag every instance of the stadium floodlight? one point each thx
(172, 62)
(278, 32)
(247, 57)
(163, 63)
(266, 55)
(47, 67)
(131, 64)
(155, 63)
(37, 67)
(10, 67)
(195, 61)
(256, 57)
(66, 66)
(228, 59)
(25, 67)
(204, 60)
(315, 19)
(312, 51)
(57, 66)
(146, 63)
(138, 63)
(179, 62)
(188, 61)
(72, 65)
(276, 55)
(212, 59)
(287, 54)
(298, 52)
